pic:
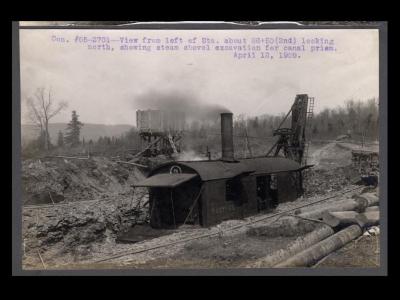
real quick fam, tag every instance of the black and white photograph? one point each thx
(206, 148)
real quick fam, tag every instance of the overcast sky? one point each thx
(102, 86)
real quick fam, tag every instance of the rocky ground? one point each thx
(363, 252)
(80, 234)
(93, 201)
(50, 180)
(223, 249)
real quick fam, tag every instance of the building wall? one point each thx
(288, 186)
(213, 201)
(216, 208)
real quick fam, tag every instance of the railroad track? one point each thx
(126, 253)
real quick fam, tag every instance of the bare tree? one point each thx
(41, 109)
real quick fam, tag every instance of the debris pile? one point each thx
(322, 181)
(72, 228)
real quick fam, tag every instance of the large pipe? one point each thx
(316, 252)
(227, 137)
(299, 245)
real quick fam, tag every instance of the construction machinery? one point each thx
(160, 131)
(293, 141)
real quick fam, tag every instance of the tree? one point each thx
(255, 122)
(72, 137)
(60, 141)
(41, 109)
(330, 127)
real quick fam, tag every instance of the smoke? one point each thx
(194, 108)
(189, 155)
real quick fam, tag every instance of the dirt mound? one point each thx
(227, 251)
(57, 179)
(284, 227)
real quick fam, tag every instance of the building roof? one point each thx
(217, 169)
(165, 180)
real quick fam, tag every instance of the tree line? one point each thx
(355, 119)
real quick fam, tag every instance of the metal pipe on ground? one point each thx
(368, 218)
(368, 199)
(344, 218)
(310, 256)
(344, 205)
(372, 208)
(295, 247)
(358, 204)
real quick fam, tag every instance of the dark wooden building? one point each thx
(208, 192)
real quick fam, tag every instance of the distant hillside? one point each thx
(89, 131)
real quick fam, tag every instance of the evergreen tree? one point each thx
(60, 140)
(73, 130)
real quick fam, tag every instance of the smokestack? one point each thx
(227, 137)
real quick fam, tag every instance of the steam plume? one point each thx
(193, 108)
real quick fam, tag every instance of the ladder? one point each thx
(171, 141)
(309, 117)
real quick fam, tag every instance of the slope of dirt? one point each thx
(58, 179)
(330, 156)
(94, 201)
(65, 232)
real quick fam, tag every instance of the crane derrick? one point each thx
(292, 141)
